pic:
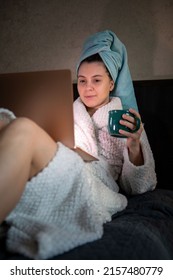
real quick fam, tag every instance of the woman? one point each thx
(53, 200)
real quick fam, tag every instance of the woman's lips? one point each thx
(90, 96)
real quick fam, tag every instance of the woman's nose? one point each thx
(89, 85)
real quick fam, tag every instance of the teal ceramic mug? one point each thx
(114, 122)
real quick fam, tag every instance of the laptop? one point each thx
(46, 97)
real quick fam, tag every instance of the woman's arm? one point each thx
(133, 139)
(137, 178)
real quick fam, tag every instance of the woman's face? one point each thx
(94, 85)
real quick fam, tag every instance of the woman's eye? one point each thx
(81, 81)
(97, 81)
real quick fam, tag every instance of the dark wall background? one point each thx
(48, 34)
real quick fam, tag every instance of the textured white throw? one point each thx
(64, 206)
(6, 115)
(68, 202)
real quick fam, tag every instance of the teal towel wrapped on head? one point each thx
(114, 55)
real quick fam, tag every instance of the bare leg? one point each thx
(25, 149)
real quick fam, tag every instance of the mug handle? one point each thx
(138, 123)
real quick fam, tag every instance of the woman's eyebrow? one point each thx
(94, 76)
(97, 75)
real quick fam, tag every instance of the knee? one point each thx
(23, 124)
(20, 127)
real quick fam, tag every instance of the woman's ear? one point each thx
(111, 85)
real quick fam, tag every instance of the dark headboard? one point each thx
(154, 101)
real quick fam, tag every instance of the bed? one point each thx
(144, 230)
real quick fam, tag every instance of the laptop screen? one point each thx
(46, 97)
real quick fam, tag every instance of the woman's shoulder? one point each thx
(116, 103)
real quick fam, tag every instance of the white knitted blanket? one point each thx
(64, 206)
(67, 203)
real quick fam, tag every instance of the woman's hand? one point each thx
(133, 139)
